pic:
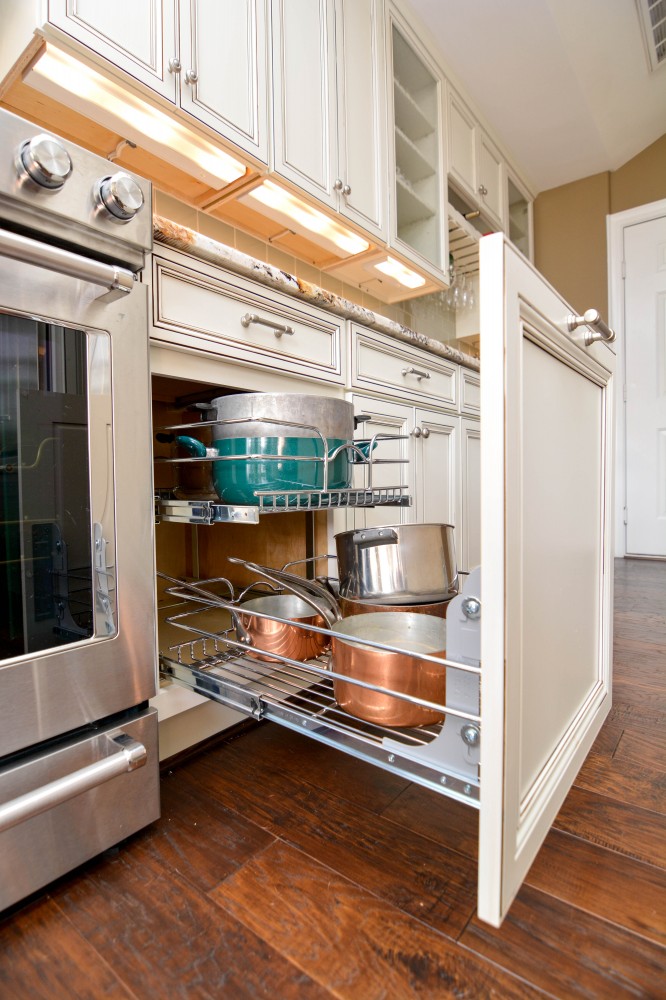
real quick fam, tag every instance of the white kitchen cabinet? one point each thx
(468, 540)
(429, 452)
(418, 227)
(383, 364)
(329, 104)
(476, 166)
(206, 56)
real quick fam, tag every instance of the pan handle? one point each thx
(375, 536)
(312, 593)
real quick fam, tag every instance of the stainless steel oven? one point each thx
(78, 743)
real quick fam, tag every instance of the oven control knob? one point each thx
(45, 160)
(121, 196)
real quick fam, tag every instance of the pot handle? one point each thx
(375, 536)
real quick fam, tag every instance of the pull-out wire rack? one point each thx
(212, 662)
(361, 455)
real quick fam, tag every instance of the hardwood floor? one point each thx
(281, 868)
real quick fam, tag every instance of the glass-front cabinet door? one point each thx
(57, 529)
(418, 163)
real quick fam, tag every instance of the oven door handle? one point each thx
(129, 757)
(117, 281)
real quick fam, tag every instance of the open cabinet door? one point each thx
(546, 558)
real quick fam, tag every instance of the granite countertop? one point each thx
(181, 238)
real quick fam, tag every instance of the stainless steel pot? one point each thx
(399, 672)
(398, 564)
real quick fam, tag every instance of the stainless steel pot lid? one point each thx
(282, 605)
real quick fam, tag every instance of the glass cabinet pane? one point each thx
(519, 225)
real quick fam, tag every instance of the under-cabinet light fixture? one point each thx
(284, 207)
(63, 77)
(403, 275)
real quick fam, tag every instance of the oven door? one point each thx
(77, 622)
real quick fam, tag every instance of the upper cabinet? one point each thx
(206, 56)
(418, 171)
(518, 215)
(329, 104)
(476, 167)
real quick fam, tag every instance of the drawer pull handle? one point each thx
(415, 371)
(277, 328)
(592, 318)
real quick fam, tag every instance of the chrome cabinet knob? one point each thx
(417, 432)
(346, 190)
(45, 161)
(425, 432)
(337, 184)
(121, 196)
(191, 76)
(483, 190)
(174, 65)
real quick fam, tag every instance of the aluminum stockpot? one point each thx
(399, 564)
(400, 672)
(268, 637)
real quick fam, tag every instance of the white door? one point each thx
(304, 101)
(223, 43)
(436, 436)
(139, 36)
(362, 140)
(546, 562)
(645, 379)
(468, 536)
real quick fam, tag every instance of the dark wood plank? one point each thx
(351, 942)
(615, 825)
(42, 956)
(627, 892)
(626, 781)
(569, 953)
(643, 748)
(404, 868)
(336, 772)
(164, 938)
(609, 736)
(446, 821)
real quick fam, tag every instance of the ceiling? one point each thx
(564, 85)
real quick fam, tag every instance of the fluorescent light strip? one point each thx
(61, 76)
(394, 269)
(284, 207)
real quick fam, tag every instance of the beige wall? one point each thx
(570, 224)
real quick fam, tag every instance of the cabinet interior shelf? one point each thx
(411, 208)
(408, 115)
(410, 159)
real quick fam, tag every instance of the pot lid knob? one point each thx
(45, 160)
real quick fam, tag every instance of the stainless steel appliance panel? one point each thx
(119, 761)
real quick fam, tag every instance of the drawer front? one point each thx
(212, 311)
(383, 364)
(470, 391)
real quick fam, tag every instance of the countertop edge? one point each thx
(189, 241)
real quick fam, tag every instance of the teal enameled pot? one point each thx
(253, 426)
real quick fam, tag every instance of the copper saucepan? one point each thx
(402, 672)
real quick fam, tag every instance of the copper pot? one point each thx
(402, 672)
(273, 637)
(349, 607)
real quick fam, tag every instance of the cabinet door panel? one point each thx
(546, 556)
(362, 112)
(224, 42)
(304, 94)
(437, 468)
(491, 177)
(462, 154)
(468, 540)
(139, 36)
(386, 418)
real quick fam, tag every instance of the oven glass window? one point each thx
(54, 412)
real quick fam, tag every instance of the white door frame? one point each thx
(615, 226)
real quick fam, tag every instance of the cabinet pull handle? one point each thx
(483, 189)
(277, 328)
(416, 432)
(592, 318)
(415, 371)
(174, 65)
(337, 184)
(425, 432)
(191, 76)
(346, 190)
